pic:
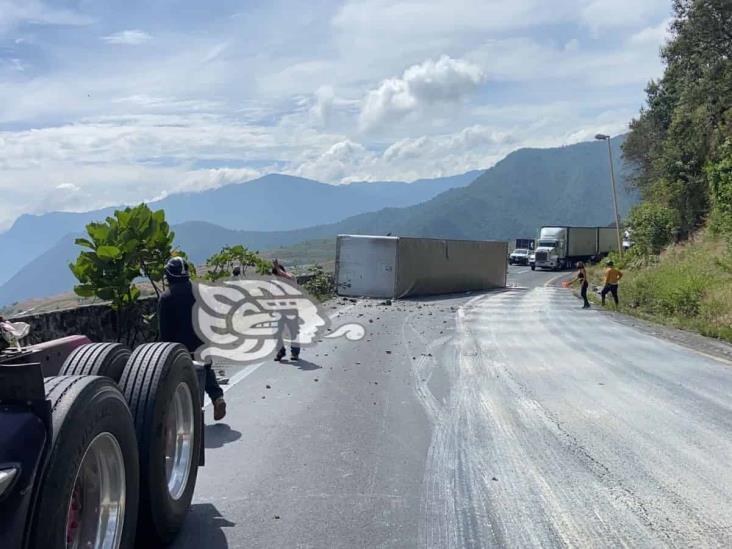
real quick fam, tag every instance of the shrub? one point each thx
(720, 186)
(221, 264)
(319, 284)
(653, 226)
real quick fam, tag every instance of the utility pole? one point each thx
(603, 137)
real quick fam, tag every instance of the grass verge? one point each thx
(688, 286)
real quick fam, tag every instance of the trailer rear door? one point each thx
(366, 265)
(608, 240)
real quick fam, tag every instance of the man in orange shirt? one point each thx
(612, 277)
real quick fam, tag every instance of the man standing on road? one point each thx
(612, 278)
(279, 270)
(175, 315)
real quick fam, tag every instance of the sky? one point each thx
(113, 102)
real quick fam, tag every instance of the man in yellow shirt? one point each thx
(612, 277)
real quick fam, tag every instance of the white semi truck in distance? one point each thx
(560, 247)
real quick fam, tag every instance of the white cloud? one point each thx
(654, 35)
(199, 180)
(446, 80)
(131, 37)
(322, 108)
(385, 20)
(68, 187)
(336, 163)
(36, 12)
(325, 94)
(475, 147)
(606, 14)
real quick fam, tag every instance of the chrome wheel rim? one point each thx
(179, 441)
(96, 510)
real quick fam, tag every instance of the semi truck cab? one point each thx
(551, 249)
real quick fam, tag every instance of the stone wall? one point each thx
(97, 322)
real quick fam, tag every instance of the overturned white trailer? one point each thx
(395, 267)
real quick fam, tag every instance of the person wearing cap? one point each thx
(612, 278)
(175, 317)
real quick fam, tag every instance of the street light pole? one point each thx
(603, 137)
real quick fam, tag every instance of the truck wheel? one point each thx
(161, 388)
(88, 495)
(97, 359)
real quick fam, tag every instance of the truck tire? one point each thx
(161, 388)
(97, 359)
(92, 458)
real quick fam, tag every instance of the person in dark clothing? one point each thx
(279, 270)
(584, 284)
(175, 317)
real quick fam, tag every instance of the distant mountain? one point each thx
(529, 188)
(273, 202)
(46, 275)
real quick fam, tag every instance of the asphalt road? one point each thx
(508, 419)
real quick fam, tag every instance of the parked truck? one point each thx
(521, 244)
(560, 247)
(99, 445)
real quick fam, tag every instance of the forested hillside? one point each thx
(680, 269)
(681, 143)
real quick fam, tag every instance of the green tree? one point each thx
(688, 112)
(653, 226)
(720, 181)
(221, 264)
(133, 243)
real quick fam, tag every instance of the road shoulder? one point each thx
(708, 346)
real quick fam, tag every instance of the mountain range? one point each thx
(272, 202)
(527, 189)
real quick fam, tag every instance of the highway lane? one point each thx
(510, 419)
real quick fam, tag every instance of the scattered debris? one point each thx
(388, 352)
(267, 386)
(316, 379)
